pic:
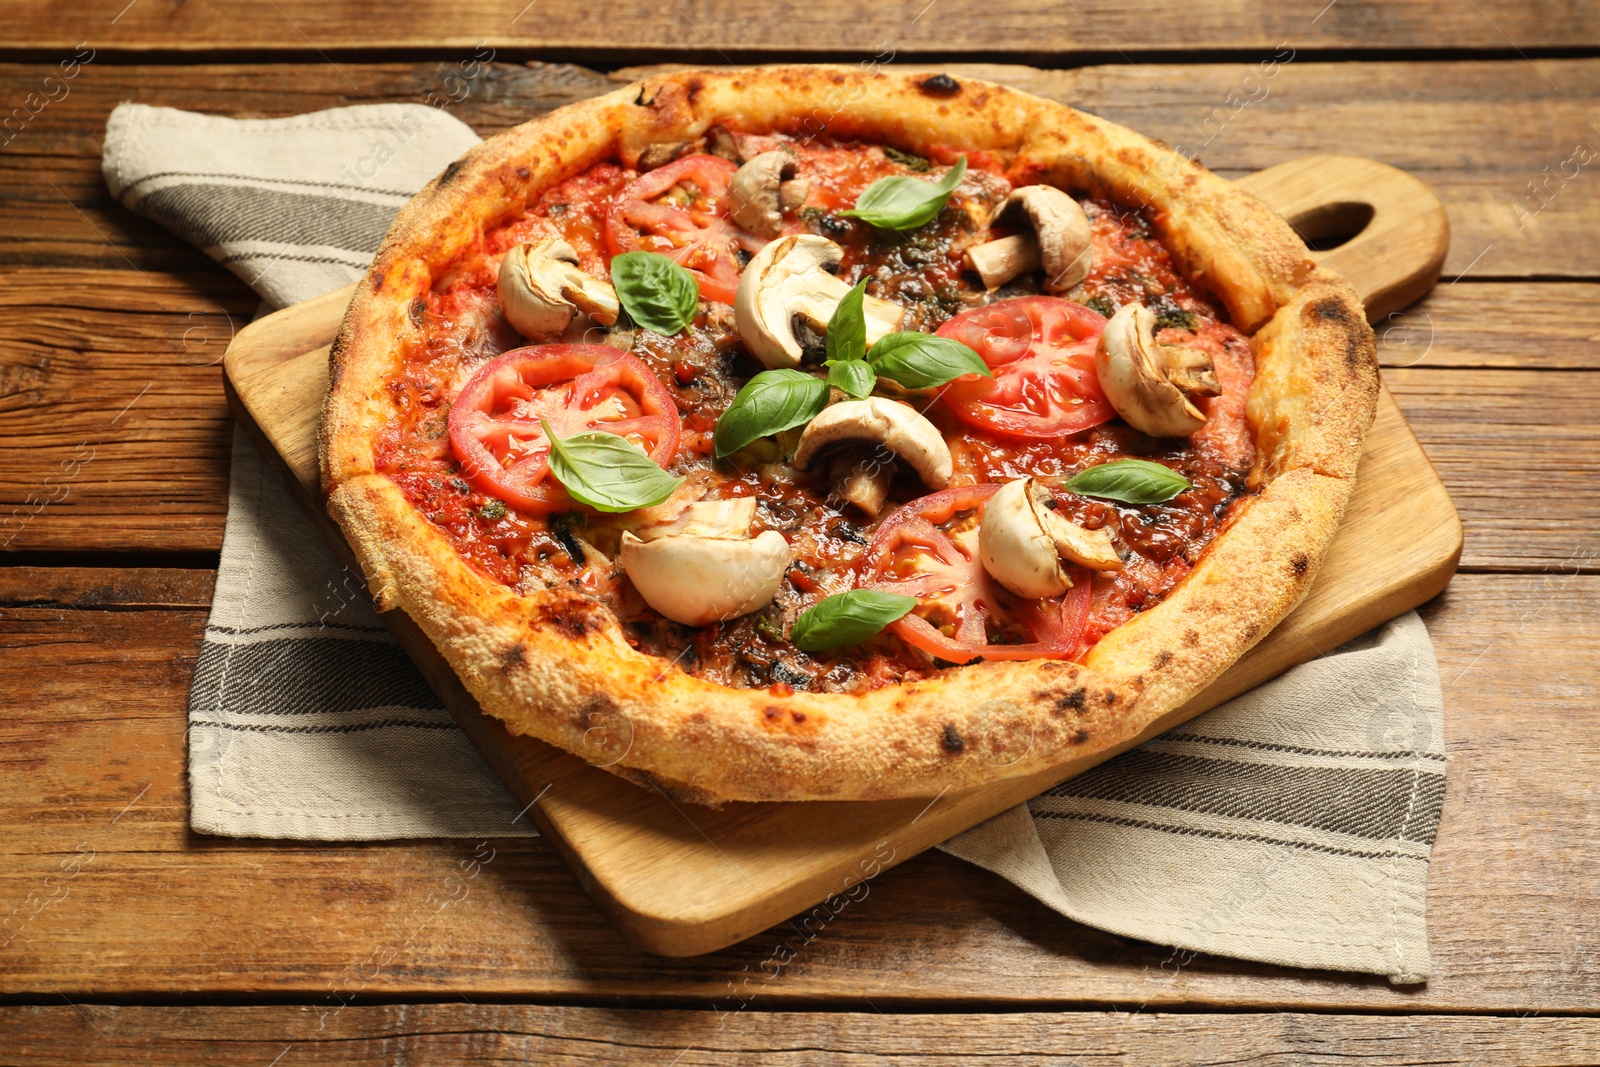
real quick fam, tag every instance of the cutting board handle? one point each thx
(1398, 232)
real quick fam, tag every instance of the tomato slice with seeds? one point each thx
(681, 211)
(1041, 349)
(494, 422)
(928, 549)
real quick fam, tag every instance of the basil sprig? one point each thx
(847, 345)
(904, 203)
(848, 618)
(771, 402)
(1131, 481)
(854, 376)
(607, 472)
(847, 326)
(655, 292)
(924, 360)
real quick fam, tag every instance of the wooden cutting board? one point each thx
(681, 880)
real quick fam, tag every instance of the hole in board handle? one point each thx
(1332, 225)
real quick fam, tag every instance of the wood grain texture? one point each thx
(113, 429)
(710, 28)
(90, 1036)
(1512, 892)
(1477, 132)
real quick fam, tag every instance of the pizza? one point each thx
(799, 433)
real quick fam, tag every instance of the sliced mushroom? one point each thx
(542, 289)
(659, 155)
(862, 441)
(1061, 241)
(720, 141)
(1022, 541)
(763, 189)
(1151, 385)
(788, 279)
(701, 580)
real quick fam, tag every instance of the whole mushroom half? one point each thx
(542, 289)
(1022, 541)
(1152, 385)
(861, 442)
(705, 567)
(791, 278)
(1061, 241)
(765, 188)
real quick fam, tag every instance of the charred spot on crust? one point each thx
(1163, 658)
(1191, 638)
(646, 101)
(1300, 563)
(449, 173)
(939, 85)
(524, 173)
(951, 741)
(798, 716)
(1331, 309)
(513, 657)
(1111, 697)
(1080, 737)
(1073, 700)
(1251, 630)
(375, 277)
(771, 712)
(694, 86)
(575, 617)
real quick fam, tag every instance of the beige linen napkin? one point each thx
(1291, 826)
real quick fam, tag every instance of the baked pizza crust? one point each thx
(555, 665)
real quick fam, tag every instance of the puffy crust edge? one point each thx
(556, 666)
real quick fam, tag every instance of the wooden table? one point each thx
(132, 940)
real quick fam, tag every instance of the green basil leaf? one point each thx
(655, 292)
(1132, 481)
(854, 376)
(607, 472)
(771, 402)
(848, 618)
(904, 203)
(847, 326)
(924, 360)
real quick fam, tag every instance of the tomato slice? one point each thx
(692, 227)
(918, 552)
(1041, 349)
(494, 422)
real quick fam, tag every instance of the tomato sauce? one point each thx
(703, 369)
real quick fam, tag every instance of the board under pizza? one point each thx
(829, 435)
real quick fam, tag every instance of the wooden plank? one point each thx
(115, 435)
(1511, 903)
(84, 343)
(1477, 132)
(105, 587)
(66, 1036)
(709, 28)
(1486, 429)
(1533, 325)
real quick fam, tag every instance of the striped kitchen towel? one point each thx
(1290, 826)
